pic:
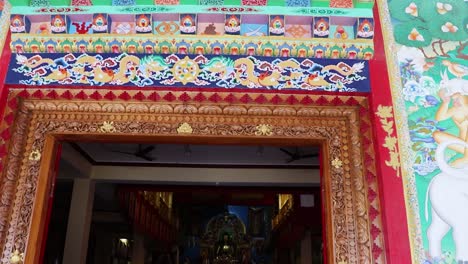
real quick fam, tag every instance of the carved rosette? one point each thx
(338, 127)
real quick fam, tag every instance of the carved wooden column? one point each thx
(306, 246)
(138, 254)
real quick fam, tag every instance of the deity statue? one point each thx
(225, 247)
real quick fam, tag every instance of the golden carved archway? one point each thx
(340, 124)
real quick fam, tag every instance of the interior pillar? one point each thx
(79, 222)
(306, 248)
(138, 254)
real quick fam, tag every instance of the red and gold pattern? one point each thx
(254, 2)
(166, 2)
(341, 3)
(81, 3)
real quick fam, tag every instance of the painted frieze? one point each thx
(190, 71)
(432, 56)
(167, 43)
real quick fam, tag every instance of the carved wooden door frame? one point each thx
(339, 124)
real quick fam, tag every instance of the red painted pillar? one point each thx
(391, 186)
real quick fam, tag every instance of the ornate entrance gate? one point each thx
(339, 124)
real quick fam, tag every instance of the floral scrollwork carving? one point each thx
(185, 128)
(35, 155)
(264, 130)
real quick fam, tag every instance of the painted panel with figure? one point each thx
(433, 62)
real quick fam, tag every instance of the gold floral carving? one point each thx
(349, 222)
(337, 163)
(13, 189)
(35, 155)
(107, 127)
(185, 128)
(16, 257)
(264, 130)
(386, 118)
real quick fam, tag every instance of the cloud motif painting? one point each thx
(190, 71)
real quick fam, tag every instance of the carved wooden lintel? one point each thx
(338, 128)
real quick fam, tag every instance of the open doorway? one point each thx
(186, 203)
(349, 186)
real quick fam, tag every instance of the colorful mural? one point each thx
(4, 22)
(432, 57)
(190, 71)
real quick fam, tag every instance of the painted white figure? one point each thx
(453, 86)
(448, 193)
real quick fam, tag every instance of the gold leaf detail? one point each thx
(35, 155)
(337, 163)
(16, 257)
(107, 127)
(390, 142)
(384, 111)
(343, 262)
(264, 130)
(185, 128)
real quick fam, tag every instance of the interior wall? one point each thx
(284, 177)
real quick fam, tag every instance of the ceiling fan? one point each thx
(297, 155)
(142, 152)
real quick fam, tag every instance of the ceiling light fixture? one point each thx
(124, 241)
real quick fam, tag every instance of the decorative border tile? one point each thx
(229, 45)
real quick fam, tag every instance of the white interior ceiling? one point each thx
(216, 155)
(73, 165)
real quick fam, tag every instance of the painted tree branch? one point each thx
(460, 49)
(441, 42)
(434, 48)
(425, 55)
